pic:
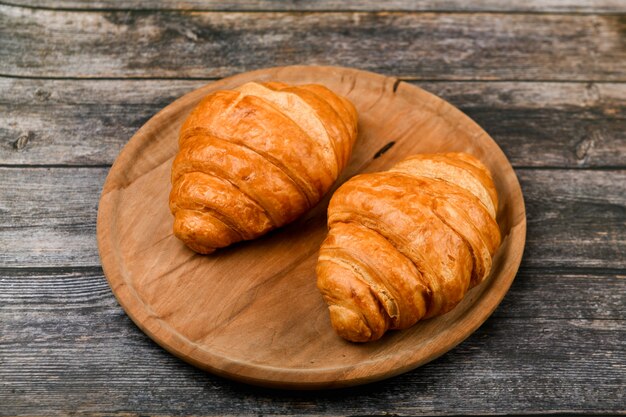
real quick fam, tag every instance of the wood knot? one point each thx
(42, 95)
(591, 94)
(190, 34)
(22, 141)
(585, 146)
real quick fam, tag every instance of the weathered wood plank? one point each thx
(86, 122)
(576, 218)
(68, 347)
(408, 45)
(571, 6)
(566, 294)
(48, 216)
(547, 124)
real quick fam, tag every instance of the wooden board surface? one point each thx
(251, 312)
(487, 46)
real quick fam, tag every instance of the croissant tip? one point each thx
(202, 250)
(350, 325)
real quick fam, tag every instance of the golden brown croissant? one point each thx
(255, 158)
(407, 243)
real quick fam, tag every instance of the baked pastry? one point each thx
(255, 158)
(407, 243)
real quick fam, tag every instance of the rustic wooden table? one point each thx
(547, 79)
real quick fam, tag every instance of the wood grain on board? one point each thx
(233, 312)
(86, 122)
(481, 46)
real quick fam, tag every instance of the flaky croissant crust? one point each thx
(255, 158)
(407, 244)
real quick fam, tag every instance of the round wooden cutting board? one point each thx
(252, 312)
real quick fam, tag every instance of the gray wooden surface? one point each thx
(547, 79)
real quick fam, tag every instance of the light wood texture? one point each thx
(570, 6)
(251, 312)
(43, 43)
(86, 122)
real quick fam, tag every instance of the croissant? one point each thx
(407, 244)
(255, 158)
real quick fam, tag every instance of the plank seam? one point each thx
(405, 79)
(5, 271)
(287, 11)
(16, 270)
(516, 167)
